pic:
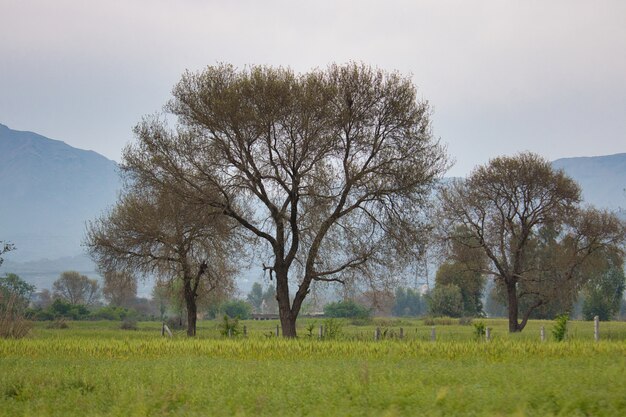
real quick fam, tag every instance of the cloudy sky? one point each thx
(501, 76)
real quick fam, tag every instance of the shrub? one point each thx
(559, 331)
(229, 327)
(57, 324)
(129, 324)
(332, 329)
(479, 329)
(13, 323)
(237, 309)
(347, 309)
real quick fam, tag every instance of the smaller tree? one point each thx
(408, 303)
(446, 300)
(13, 286)
(603, 293)
(120, 288)
(270, 304)
(469, 282)
(76, 288)
(255, 297)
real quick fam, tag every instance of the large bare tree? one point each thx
(152, 231)
(329, 170)
(526, 218)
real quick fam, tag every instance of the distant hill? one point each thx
(602, 178)
(48, 190)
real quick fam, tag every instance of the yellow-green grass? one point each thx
(93, 368)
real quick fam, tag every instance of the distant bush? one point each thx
(237, 309)
(347, 309)
(129, 324)
(57, 324)
(439, 321)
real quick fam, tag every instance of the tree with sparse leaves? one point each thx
(76, 288)
(120, 288)
(152, 231)
(526, 219)
(329, 170)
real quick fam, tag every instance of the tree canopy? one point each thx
(527, 220)
(327, 170)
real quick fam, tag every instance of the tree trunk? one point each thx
(511, 290)
(287, 318)
(192, 309)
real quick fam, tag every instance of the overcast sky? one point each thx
(501, 76)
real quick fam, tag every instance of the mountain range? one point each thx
(49, 190)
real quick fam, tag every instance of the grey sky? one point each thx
(502, 76)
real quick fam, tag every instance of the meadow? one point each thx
(96, 369)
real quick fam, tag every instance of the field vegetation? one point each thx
(94, 368)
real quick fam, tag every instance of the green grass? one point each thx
(93, 368)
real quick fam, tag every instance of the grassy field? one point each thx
(94, 369)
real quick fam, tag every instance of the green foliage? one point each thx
(446, 300)
(332, 329)
(479, 329)
(113, 313)
(603, 293)
(559, 331)
(347, 309)
(229, 326)
(469, 282)
(13, 285)
(237, 309)
(408, 303)
(255, 296)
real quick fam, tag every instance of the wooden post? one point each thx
(542, 334)
(377, 334)
(277, 331)
(245, 331)
(488, 334)
(596, 328)
(167, 330)
(321, 332)
(230, 332)
(401, 333)
(433, 335)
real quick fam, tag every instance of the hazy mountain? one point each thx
(48, 190)
(602, 178)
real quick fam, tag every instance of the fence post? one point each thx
(488, 334)
(433, 336)
(542, 334)
(245, 331)
(377, 334)
(596, 328)
(230, 332)
(166, 330)
(277, 331)
(401, 333)
(321, 332)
